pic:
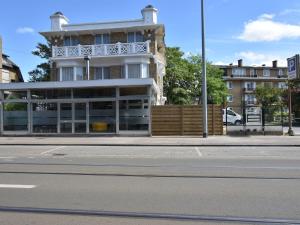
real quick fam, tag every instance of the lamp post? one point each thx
(204, 86)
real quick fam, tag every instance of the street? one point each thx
(149, 185)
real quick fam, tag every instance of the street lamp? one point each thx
(204, 86)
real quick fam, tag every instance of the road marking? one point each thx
(7, 157)
(52, 150)
(20, 186)
(199, 153)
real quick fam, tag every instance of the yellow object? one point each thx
(99, 126)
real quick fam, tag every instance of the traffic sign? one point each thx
(293, 67)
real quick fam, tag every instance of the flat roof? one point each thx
(81, 84)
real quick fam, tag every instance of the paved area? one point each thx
(156, 141)
(149, 185)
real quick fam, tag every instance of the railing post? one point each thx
(93, 49)
(148, 46)
(79, 52)
(105, 49)
(53, 52)
(66, 51)
(119, 48)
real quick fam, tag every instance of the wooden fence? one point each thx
(185, 120)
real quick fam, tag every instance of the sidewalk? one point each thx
(156, 141)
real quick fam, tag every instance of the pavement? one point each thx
(146, 185)
(155, 141)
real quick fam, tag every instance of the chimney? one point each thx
(274, 63)
(57, 20)
(1, 61)
(149, 14)
(240, 63)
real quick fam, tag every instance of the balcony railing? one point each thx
(117, 49)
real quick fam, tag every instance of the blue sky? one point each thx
(258, 31)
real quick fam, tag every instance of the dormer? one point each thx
(149, 15)
(57, 20)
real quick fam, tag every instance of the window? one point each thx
(250, 99)
(145, 70)
(229, 84)
(252, 73)
(135, 37)
(238, 72)
(71, 41)
(229, 98)
(102, 39)
(282, 85)
(67, 73)
(5, 76)
(134, 71)
(102, 73)
(280, 73)
(80, 73)
(250, 86)
(266, 72)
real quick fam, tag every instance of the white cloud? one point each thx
(289, 11)
(24, 30)
(255, 58)
(264, 28)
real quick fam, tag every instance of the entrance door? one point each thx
(73, 117)
(80, 120)
(66, 118)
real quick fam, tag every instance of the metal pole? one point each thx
(204, 87)
(290, 131)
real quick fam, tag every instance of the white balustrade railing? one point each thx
(102, 50)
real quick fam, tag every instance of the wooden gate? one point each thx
(185, 120)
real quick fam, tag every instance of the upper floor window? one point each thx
(252, 72)
(229, 98)
(102, 39)
(134, 71)
(102, 73)
(67, 74)
(229, 84)
(80, 73)
(250, 86)
(280, 72)
(71, 41)
(135, 37)
(282, 85)
(238, 71)
(266, 72)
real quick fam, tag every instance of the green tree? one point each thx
(267, 95)
(182, 83)
(42, 71)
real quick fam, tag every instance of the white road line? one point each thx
(52, 150)
(198, 152)
(20, 186)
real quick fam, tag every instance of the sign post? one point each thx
(293, 74)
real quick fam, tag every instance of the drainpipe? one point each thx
(87, 60)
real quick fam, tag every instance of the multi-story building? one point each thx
(9, 71)
(242, 81)
(104, 78)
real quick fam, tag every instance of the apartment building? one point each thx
(9, 71)
(242, 81)
(104, 78)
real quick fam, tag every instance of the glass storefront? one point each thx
(15, 116)
(71, 111)
(44, 117)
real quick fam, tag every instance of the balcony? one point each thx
(102, 50)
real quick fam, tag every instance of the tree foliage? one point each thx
(42, 71)
(267, 95)
(182, 83)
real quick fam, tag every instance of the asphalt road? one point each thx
(149, 185)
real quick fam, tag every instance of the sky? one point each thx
(258, 31)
